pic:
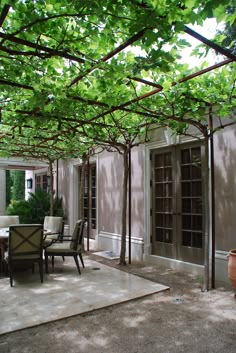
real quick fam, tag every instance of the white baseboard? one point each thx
(112, 242)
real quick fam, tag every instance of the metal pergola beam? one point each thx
(209, 43)
(4, 13)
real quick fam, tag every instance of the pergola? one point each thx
(96, 83)
(72, 75)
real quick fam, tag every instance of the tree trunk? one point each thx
(51, 186)
(124, 208)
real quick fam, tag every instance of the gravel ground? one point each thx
(182, 319)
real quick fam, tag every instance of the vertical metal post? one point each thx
(57, 178)
(212, 180)
(129, 195)
(89, 195)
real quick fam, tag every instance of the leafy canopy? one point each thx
(72, 72)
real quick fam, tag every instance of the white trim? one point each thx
(74, 194)
(134, 240)
(221, 266)
(174, 264)
(20, 163)
(112, 242)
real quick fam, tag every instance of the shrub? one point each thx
(35, 208)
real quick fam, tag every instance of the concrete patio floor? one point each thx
(65, 293)
(182, 319)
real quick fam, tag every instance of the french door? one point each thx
(90, 199)
(177, 203)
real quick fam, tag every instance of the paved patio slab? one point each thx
(65, 293)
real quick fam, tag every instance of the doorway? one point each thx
(177, 203)
(90, 199)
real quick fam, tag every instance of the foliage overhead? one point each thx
(74, 73)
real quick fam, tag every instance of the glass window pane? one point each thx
(196, 205)
(168, 174)
(186, 222)
(196, 172)
(158, 160)
(186, 205)
(196, 222)
(160, 190)
(159, 204)
(185, 172)
(159, 235)
(186, 189)
(186, 238)
(159, 174)
(167, 159)
(168, 190)
(196, 188)
(195, 155)
(197, 240)
(185, 156)
(168, 205)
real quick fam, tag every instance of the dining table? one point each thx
(4, 235)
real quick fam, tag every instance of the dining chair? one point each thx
(53, 229)
(70, 245)
(25, 247)
(6, 221)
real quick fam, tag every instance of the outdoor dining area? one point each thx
(39, 294)
(28, 244)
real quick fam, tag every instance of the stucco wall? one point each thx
(63, 185)
(110, 172)
(225, 182)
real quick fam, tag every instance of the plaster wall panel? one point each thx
(110, 184)
(63, 186)
(225, 188)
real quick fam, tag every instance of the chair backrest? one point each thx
(25, 241)
(53, 224)
(6, 221)
(77, 236)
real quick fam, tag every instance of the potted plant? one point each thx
(232, 267)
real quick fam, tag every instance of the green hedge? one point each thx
(35, 208)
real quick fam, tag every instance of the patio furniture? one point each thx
(69, 246)
(4, 235)
(53, 229)
(25, 247)
(5, 222)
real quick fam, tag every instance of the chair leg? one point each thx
(10, 275)
(81, 259)
(46, 262)
(41, 270)
(52, 261)
(77, 263)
